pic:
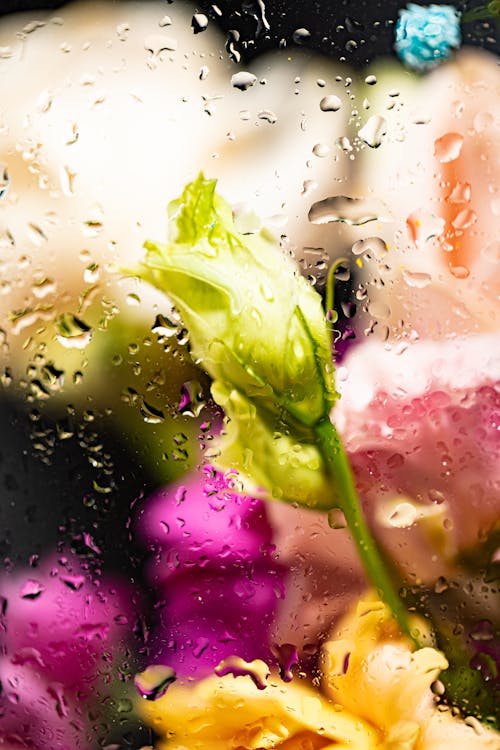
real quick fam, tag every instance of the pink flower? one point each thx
(59, 630)
(424, 427)
(213, 573)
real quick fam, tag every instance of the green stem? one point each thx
(330, 284)
(339, 469)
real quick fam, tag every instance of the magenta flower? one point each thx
(59, 630)
(213, 573)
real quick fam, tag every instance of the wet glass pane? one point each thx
(249, 375)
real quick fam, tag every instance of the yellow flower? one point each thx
(376, 695)
(371, 669)
(231, 714)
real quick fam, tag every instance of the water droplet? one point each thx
(422, 225)
(257, 670)
(330, 103)
(436, 496)
(491, 252)
(460, 193)
(373, 131)
(403, 515)
(151, 414)
(482, 121)
(448, 147)
(43, 287)
(243, 80)
(321, 150)
(28, 655)
(441, 585)
(74, 583)
(72, 332)
(288, 657)
(301, 36)
(4, 181)
(92, 273)
(67, 180)
(165, 21)
(199, 22)
(344, 143)
(156, 43)
(336, 519)
(464, 219)
(374, 245)
(154, 682)
(268, 116)
(192, 401)
(122, 31)
(379, 310)
(371, 80)
(31, 589)
(165, 326)
(417, 279)
(353, 211)
(460, 272)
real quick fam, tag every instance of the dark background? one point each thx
(357, 30)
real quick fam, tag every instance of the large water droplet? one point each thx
(353, 211)
(417, 279)
(72, 332)
(374, 245)
(288, 657)
(257, 670)
(192, 401)
(448, 147)
(243, 80)
(373, 131)
(330, 103)
(301, 36)
(199, 22)
(422, 225)
(31, 589)
(154, 682)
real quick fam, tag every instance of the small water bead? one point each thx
(330, 103)
(4, 181)
(491, 252)
(154, 681)
(243, 80)
(371, 80)
(321, 150)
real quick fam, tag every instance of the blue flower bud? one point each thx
(425, 36)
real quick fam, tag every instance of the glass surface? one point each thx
(250, 454)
